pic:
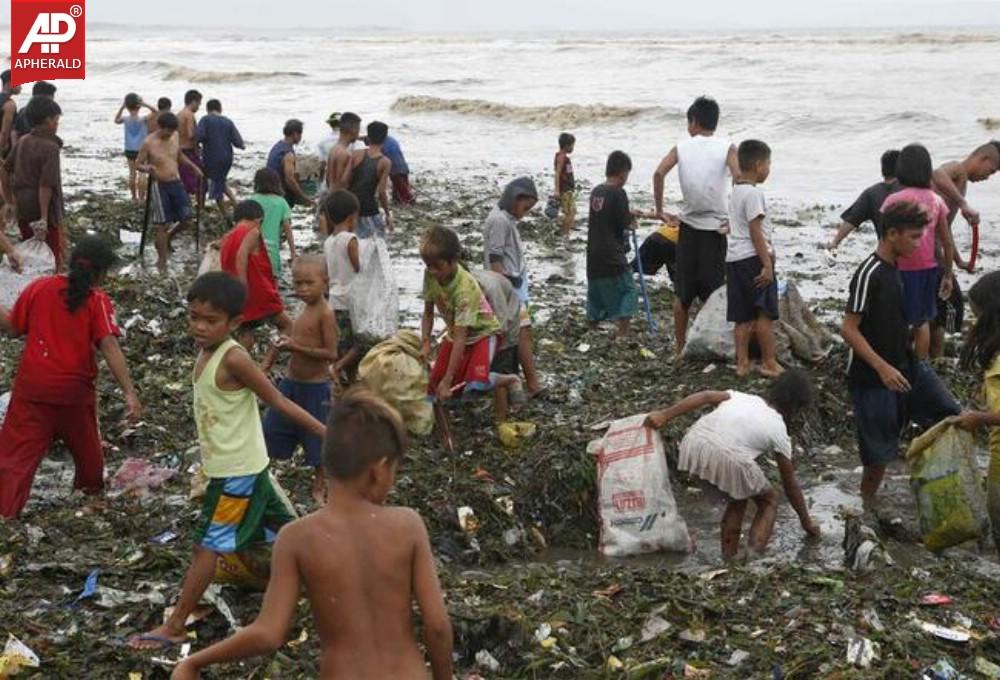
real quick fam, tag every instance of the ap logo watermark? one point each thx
(47, 40)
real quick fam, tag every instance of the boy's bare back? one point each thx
(161, 154)
(308, 330)
(362, 566)
(186, 129)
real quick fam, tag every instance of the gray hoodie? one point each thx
(501, 239)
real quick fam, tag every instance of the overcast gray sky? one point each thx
(521, 15)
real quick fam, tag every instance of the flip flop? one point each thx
(163, 642)
(542, 393)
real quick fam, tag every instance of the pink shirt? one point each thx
(934, 208)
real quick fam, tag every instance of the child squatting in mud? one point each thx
(722, 449)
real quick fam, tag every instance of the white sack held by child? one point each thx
(374, 302)
(37, 260)
(637, 510)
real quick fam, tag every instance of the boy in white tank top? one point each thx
(702, 163)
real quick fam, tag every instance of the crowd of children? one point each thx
(377, 560)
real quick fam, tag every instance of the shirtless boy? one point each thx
(160, 155)
(338, 164)
(313, 347)
(951, 181)
(362, 564)
(187, 131)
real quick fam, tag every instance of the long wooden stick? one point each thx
(145, 215)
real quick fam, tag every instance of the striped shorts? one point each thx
(240, 512)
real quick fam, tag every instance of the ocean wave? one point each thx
(169, 71)
(562, 115)
(448, 81)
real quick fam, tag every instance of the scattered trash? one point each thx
(213, 596)
(164, 537)
(513, 434)
(863, 549)
(696, 636)
(654, 627)
(947, 485)
(709, 369)
(987, 669)
(89, 586)
(872, 620)
(692, 671)
(942, 670)
(614, 663)
(4, 405)
(861, 652)
(486, 660)
(6, 564)
(138, 476)
(467, 519)
(109, 598)
(583, 348)
(16, 655)
(646, 354)
(935, 599)
(737, 658)
(950, 634)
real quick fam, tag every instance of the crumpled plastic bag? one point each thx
(4, 405)
(944, 478)
(513, 434)
(797, 332)
(16, 655)
(211, 261)
(37, 260)
(395, 371)
(374, 299)
(138, 476)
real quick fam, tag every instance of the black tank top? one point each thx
(364, 183)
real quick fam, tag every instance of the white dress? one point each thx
(722, 447)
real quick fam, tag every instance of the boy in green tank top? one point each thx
(243, 506)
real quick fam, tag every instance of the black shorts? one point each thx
(951, 312)
(701, 264)
(657, 252)
(744, 301)
(505, 362)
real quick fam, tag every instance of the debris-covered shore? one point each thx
(529, 596)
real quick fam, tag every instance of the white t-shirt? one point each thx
(326, 146)
(339, 269)
(746, 426)
(701, 167)
(747, 204)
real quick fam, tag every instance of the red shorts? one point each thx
(474, 369)
(401, 192)
(28, 432)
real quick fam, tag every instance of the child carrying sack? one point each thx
(38, 260)
(947, 486)
(636, 504)
(374, 301)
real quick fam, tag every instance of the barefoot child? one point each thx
(363, 564)
(135, 134)
(242, 254)
(722, 449)
(313, 347)
(566, 182)
(888, 384)
(982, 352)
(63, 320)
(464, 359)
(160, 155)
(611, 294)
(244, 506)
(340, 208)
(751, 288)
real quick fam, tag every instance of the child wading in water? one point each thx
(313, 347)
(243, 507)
(362, 563)
(982, 351)
(136, 129)
(63, 319)
(722, 449)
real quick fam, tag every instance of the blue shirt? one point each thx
(392, 151)
(218, 135)
(276, 162)
(135, 132)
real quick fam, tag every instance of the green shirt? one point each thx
(228, 422)
(461, 303)
(276, 211)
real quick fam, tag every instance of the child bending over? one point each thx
(463, 362)
(722, 449)
(362, 563)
